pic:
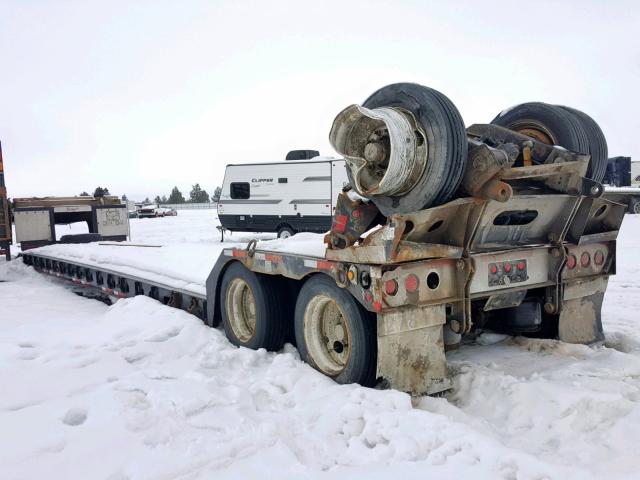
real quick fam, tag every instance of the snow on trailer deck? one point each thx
(172, 265)
(139, 390)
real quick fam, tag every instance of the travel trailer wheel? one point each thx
(286, 231)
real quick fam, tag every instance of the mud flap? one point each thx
(411, 350)
(580, 319)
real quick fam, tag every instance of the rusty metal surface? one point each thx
(411, 354)
(498, 230)
(484, 167)
(351, 219)
(596, 216)
(540, 151)
(432, 233)
(445, 285)
(387, 254)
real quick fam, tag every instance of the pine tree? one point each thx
(216, 195)
(176, 196)
(101, 192)
(198, 195)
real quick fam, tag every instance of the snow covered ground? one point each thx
(138, 390)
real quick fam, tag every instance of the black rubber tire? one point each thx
(81, 238)
(270, 320)
(634, 206)
(597, 144)
(286, 228)
(565, 128)
(447, 145)
(362, 363)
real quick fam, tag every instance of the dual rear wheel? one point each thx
(560, 125)
(333, 332)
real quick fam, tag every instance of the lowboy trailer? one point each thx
(444, 232)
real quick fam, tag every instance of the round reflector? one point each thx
(411, 283)
(391, 287)
(571, 262)
(585, 259)
(598, 258)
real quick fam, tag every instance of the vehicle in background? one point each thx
(170, 212)
(36, 218)
(620, 183)
(297, 195)
(5, 216)
(150, 211)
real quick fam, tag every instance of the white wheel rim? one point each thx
(241, 310)
(285, 234)
(326, 335)
(636, 208)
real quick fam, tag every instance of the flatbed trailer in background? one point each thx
(445, 231)
(36, 219)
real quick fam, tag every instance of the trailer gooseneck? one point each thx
(445, 231)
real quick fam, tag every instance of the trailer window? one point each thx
(240, 190)
(282, 180)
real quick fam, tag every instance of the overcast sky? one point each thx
(139, 96)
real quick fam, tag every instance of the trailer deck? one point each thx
(164, 272)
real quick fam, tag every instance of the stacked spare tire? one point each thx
(407, 149)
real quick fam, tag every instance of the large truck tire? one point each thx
(558, 125)
(252, 314)
(597, 144)
(81, 238)
(446, 138)
(334, 334)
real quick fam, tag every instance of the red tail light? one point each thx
(411, 283)
(391, 287)
(585, 259)
(598, 257)
(571, 262)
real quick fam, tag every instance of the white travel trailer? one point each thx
(285, 197)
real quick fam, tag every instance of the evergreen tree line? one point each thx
(197, 195)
